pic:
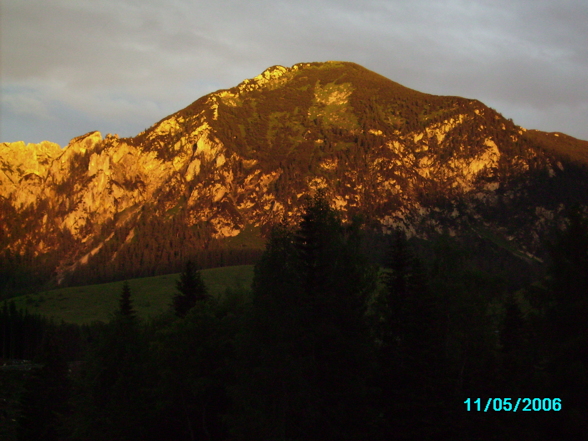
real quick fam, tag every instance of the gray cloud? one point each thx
(119, 66)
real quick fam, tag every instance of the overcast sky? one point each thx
(118, 66)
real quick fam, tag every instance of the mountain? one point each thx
(216, 175)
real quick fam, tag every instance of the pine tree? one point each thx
(514, 352)
(315, 238)
(44, 403)
(406, 295)
(409, 332)
(511, 335)
(191, 290)
(112, 399)
(126, 309)
(566, 327)
(308, 334)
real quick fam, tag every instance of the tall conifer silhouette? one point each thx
(191, 290)
(308, 333)
(126, 309)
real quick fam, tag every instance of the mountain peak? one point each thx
(244, 158)
(278, 76)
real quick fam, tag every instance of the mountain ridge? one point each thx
(247, 155)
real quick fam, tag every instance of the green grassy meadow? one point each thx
(151, 295)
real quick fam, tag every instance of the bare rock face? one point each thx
(248, 155)
(23, 168)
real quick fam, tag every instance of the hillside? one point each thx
(209, 181)
(151, 296)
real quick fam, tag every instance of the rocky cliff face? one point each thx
(23, 168)
(245, 157)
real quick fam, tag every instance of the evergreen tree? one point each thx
(309, 353)
(518, 361)
(191, 290)
(569, 270)
(112, 399)
(126, 309)
(44, 403)
(468, 331)
(410, 333)
(192, 364)
(566, 327)
(511, 336)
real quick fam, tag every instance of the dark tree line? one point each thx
(327, 346)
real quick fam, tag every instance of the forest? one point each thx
(326, 344)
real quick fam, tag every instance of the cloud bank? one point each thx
(69, 67)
